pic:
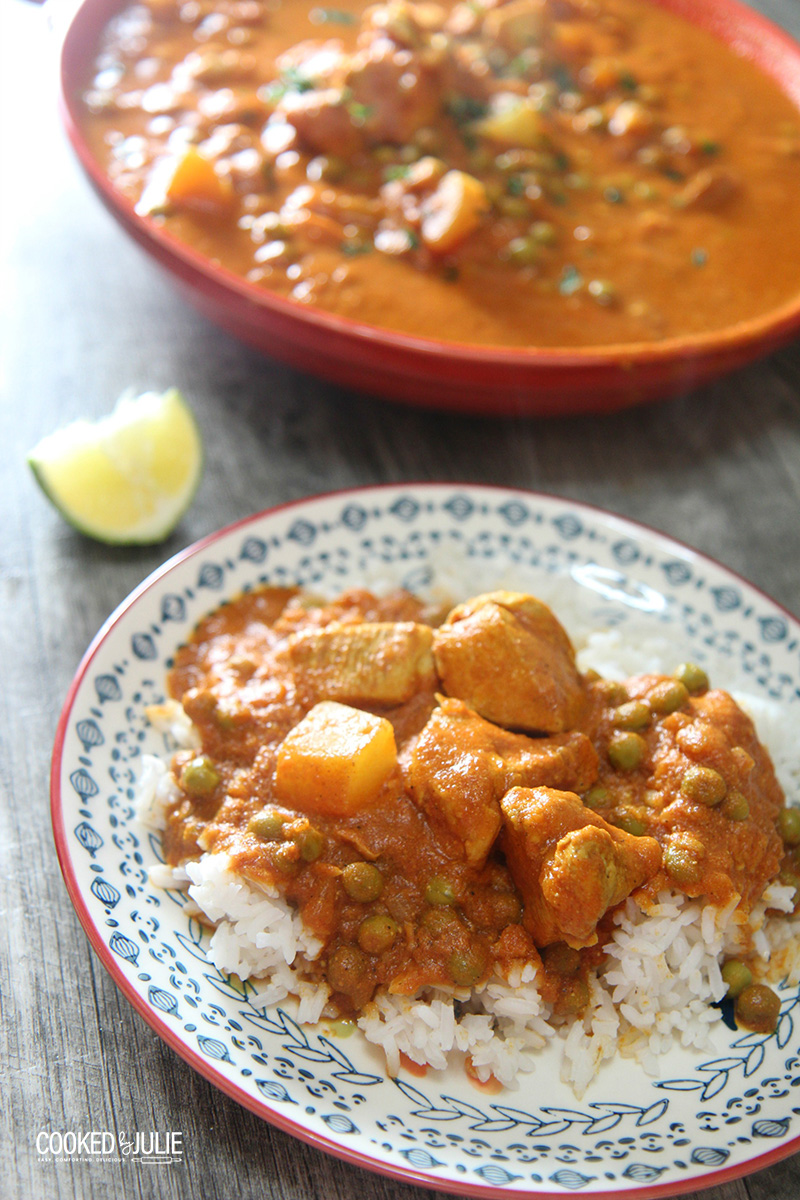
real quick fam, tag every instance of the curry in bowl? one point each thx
(549, 173)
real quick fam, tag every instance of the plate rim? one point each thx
(206, 1068)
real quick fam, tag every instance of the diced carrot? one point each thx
(196, 185)
(453, 211)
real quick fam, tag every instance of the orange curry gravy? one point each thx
(528, 173)
(516, 806)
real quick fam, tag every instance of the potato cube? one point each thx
(513, 122)
(516, 25)
(335, 761)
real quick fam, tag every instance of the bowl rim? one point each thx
(746, 32)
(206, 1067)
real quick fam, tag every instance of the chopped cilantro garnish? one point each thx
(396, 171)
(359, 113)
(613, 195)
(671, 173)
(464, 108)
(331, 16)
(563, 79)
(709, 147)
(294, 80)
(351, 249)
(571, 280)
(274, 91)
(628, 81)
(699, 257)
(515, 185)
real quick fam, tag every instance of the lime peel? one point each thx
(128, 478)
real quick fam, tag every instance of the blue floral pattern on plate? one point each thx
(629, 1132)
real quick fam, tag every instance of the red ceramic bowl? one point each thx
(492, 380)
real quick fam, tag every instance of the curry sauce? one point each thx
(530, 173)
(351, 757)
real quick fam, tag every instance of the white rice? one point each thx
(656, 990)
(156, 791)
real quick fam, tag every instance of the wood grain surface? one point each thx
(85, 316)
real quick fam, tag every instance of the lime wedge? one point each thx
(128, 478)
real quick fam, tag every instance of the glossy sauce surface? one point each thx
(480, 846)
(543, 173)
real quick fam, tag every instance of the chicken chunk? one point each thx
(322, 121)
(508, 657)
(569, 864)
(516, 25)
(375, 662)
(462, 765)
(710, 189)
(398, 93)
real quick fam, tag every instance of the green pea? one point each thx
(693, 678)
(377, 933)
(440, 891)
(683, 861)
(573, 996)
(626, 751)
(225, 716)
(267, 825)
(602, 292)
(791, 879)
(612, 692)
(311, 844)
(789, 826)
(506, 908)
(668, 696)
(199, 777)
(523, 251)
(737, 975)
(634, 714)
(514, 206)
(544, 233)
(440, 921)
(362, 881)
(736, 806)
(467, 966)
(328, 167)
(346, 967)
(343, 1028)
(597, 797)
(285, 858)
(630, 824)
(561, 958)
(758, 1008)
(704, 785)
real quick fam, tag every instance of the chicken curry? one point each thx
(443, 794)
(524, 173)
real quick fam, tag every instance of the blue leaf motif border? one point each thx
(706, 1114)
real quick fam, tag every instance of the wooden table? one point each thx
(87, 315)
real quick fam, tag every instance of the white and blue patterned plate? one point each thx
(709, 1117)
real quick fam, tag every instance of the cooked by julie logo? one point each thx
(160, 1147)
(152, 1146)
